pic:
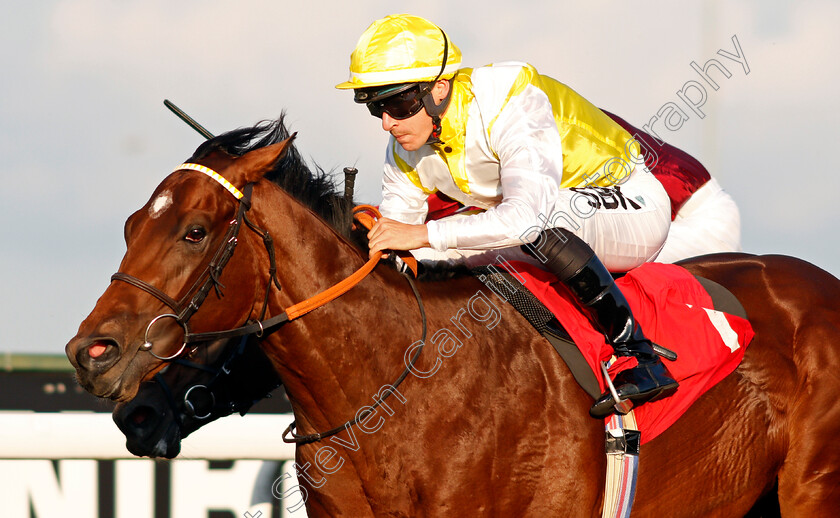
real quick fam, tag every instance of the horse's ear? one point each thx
(251, 166)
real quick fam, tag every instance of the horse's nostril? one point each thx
(141, 415)
(99, 355)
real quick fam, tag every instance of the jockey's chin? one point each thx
(410, 133)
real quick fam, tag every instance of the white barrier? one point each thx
(55, 465)
(92, 435)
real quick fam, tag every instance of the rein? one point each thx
(195, 296)
(314, 437)
(191, 302)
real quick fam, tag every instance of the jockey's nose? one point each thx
(388, 122)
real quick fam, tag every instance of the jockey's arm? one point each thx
(526, 140)
(389, 234)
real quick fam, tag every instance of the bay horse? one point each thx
(494, 425)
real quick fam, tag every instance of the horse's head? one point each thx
(173, 279)
(224, 377)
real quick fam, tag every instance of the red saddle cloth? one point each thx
(675, 312)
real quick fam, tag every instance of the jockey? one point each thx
(549, 171)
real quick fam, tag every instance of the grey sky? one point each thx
(86, 137)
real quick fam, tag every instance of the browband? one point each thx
(214, 175)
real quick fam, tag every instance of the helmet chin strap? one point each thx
(434, 109)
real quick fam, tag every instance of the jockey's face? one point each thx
(413, 132)
(410, 133)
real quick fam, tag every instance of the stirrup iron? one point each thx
(622, 406)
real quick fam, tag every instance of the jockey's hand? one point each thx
(388, 234)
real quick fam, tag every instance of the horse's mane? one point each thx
(314, 189)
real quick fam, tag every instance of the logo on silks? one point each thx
(609, 198)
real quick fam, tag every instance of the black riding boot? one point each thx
(575, 264)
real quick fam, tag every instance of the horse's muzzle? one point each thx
(149, 431)
(92, 358)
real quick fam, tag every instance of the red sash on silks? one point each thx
(679, 173)
(441, 206)
(675, 312)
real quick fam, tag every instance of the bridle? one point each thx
(220, 374)
(189, 304)
(184, 309)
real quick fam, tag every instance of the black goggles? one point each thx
(401, 105)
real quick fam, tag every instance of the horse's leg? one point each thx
(809, 482)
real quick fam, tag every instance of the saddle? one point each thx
(510, 289)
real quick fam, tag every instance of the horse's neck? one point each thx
(336, 360)
(330, 357)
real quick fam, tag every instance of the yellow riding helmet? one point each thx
(401, 49)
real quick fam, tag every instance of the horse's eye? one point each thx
(196, 235)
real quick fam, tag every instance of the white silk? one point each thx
(709, 222)
(622, 238)
(515, 188)
(514, 170)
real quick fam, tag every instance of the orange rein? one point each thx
(366, 215)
